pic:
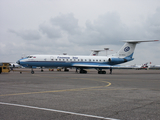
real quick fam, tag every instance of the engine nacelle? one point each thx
(117, 60)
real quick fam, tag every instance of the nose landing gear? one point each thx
(32, 72)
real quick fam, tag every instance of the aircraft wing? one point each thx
(90, 66)
(102, 66)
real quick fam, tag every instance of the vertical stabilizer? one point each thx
(128, 48)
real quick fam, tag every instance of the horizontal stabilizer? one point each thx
(138, 41)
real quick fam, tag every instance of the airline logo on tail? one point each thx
(126, 49)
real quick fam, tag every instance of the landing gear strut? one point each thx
(41, 69)
(76, 70)
(32, 72)
(110, 70)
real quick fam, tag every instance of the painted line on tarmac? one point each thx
(66, 90)
(99, 80)
(59, 111)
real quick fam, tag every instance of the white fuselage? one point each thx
(68, 61)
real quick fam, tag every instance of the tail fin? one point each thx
(128, 48)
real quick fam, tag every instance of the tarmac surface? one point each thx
(54, 95)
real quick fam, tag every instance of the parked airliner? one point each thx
(152, 66)
(99, 63)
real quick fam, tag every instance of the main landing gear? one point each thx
(41, 69)
(66, 70)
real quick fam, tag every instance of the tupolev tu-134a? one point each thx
(81, 63)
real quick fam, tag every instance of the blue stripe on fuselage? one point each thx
(60, 63)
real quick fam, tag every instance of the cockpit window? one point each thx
(29, 56)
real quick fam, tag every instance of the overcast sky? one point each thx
(77, 26)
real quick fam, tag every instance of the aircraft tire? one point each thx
(66, 70)
(32, 72)
(101, 72)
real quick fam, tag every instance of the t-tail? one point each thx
(125, 54)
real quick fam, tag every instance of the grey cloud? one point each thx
(66, 22)
(107, 28)
(153, 24)
(50, 31)
(27, 34)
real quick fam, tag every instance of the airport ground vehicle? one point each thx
(4, 68)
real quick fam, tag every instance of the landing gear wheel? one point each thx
(41, 69)
(66, 70)
(32, 72)
(101, 72)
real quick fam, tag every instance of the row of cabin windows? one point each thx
(78, 60)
